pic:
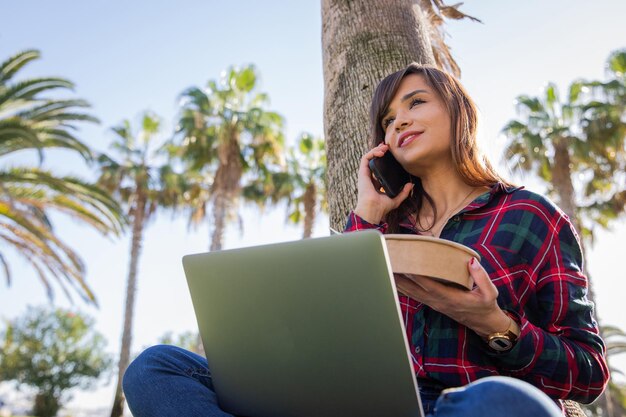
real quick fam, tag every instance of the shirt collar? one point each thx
(480, 201)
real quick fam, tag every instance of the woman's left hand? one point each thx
(476, 309)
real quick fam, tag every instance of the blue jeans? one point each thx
(167, 381)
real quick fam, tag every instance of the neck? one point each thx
(446, 188)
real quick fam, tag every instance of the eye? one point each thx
(387, 122)
(415, 102)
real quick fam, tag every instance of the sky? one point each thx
(128, 57)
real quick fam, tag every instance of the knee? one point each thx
(142, 368)
(498, 394)
(501, 386)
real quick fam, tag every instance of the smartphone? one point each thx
(389, 173)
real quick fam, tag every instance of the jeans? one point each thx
(167, 381)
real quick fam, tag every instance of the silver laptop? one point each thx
(310, 328)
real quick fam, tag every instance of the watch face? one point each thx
(500, 344)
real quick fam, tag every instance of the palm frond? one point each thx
(7, 270)
(29, 121)
(91, 196)
(17, 135)
(28, 89)
(436, 12)
(14, 63)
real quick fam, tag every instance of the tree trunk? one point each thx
(309, 202)
(46, 405)
(227, 186)
(220, 210)
(564, 186)
(562, 181)
(131, 291)
(362, 42)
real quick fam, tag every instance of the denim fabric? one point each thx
(429, 393)
(167, 381)
(496, 396)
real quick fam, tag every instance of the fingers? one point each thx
(424, 289)
(476, 309)
(481, 278)
(377, 152)
(365, 172)
(410, 288)
(372, 203)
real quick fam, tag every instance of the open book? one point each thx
(432, 257)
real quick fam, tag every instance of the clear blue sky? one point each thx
(126, 57)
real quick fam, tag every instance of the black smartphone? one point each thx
(389, 173)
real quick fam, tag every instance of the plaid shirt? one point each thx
(532, 254)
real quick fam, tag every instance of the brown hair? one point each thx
(474, 168)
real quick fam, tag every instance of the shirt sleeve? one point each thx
(356, 223)
(560, 350)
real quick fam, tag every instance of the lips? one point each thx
(408, 137)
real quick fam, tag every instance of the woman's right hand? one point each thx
(373, 205)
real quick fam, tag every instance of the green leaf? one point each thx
(551, 94)
(617, 63)
(246, 79)
(574, 91)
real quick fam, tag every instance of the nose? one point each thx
(402, 121)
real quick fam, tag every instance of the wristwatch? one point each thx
(504, 341)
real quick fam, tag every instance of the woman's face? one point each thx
(417, 126)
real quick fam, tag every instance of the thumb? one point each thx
(404, 194)
(480, 276)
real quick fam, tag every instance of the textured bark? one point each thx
(564, 186)
(362, 42)
(562, 181)
(227, 187)
(220, 209)
(131, 293)
(309, 202)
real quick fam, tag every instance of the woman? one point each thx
(529, 301)
(528, 316)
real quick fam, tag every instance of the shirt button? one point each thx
(417, 350)
(457, 218)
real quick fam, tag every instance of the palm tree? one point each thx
(143, 181)
(583, 136)
(302, 184)
(224, 134)
(543, 141)
(29, 121)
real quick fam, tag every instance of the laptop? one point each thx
(310, 328)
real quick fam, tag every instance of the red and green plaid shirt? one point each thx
(532, 255)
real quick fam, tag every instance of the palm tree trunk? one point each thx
(362, 42)
(309, 202)
(220, 211)
(131, 291)
(227, 186)
(562, 182)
